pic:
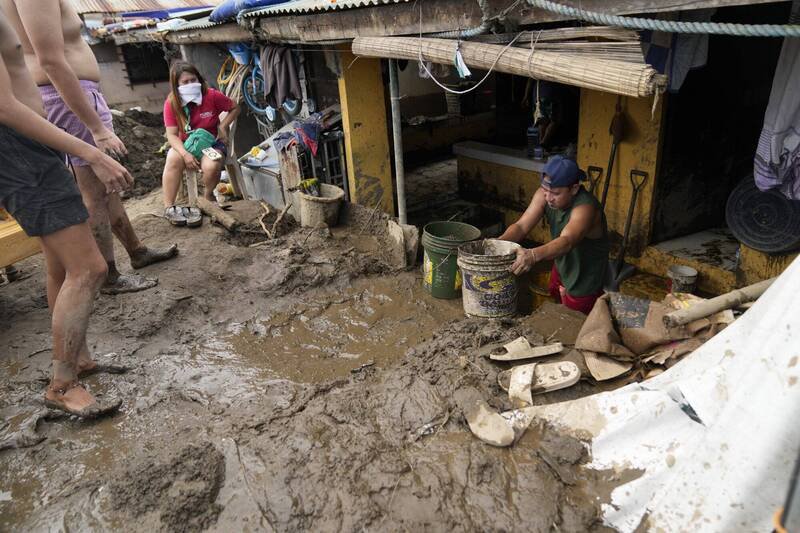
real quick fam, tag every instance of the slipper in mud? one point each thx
(497, 429)
(148, 256)
(518, 349)
(94, 410)
(104, 368)
(536, 378)
(193, 216)
(175, 215)
(128, 283)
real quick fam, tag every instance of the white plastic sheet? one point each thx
(715, 437)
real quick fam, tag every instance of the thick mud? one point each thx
(143, 134)
(302, 384)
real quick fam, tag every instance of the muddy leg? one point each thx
(211, 172)
(98, 203)
(75, 271)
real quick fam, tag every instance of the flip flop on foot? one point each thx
(128, 283)
(497, 429)
(175, 215)
(536, 378)
(193, 216)
(148, 256)
(102, 368)
(74, 399)
(518, 349)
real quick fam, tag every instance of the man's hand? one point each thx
(524, 262)
(110, 173)
(109, 143)
(222, 135)
(191, 162)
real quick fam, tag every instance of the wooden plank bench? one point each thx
(14, 244)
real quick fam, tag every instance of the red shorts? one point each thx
(583, 304)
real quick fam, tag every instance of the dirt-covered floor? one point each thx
(301, 384)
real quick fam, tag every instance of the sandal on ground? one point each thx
(518, 349)
(175, 216)
(93, 410)
(497, 429)
(536, 378)
(193, 216)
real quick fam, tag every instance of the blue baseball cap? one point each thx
(560, 171)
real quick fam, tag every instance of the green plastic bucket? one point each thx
(490, 289)
(440, 242)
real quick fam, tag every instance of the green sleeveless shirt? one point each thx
(583, 269)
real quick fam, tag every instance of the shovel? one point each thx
(618, 270)
(594, 174)
(616, 130)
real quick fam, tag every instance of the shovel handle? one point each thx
(594, 174)
(638, 179)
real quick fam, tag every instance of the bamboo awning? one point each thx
(618, 77)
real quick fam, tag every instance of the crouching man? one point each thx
(579, 235)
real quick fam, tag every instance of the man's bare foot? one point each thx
(74, 399)
(148, 256)
(127, 283)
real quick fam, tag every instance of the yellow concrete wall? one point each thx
(638, 150)
(364, 120)
(504, 188)
(756, 266)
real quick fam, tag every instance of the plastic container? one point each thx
(321, 211)
(490, 290)
(682, 278)
(440, 241)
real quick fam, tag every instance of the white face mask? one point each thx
(191, 92)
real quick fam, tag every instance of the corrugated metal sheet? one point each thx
(198, 24)
(310, 6)
(124, 6)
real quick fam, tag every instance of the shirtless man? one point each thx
(38, 190)
(66, 71)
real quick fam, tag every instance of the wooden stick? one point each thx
(265, 207)
(280, 217)
(715, 305)
(217, 214)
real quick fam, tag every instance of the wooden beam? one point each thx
(14, 244)
(394, 19)
(230, 32)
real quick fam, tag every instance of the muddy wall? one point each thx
(113, 80)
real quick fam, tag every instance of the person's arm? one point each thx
(519, 229)
(580, 223)
(27, 122)
(42, 22)
(225, 123)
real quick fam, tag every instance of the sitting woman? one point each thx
(192, 112)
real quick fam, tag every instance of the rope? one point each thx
(437, 82)
(673, 26)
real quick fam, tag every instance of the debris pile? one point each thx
(143, 135)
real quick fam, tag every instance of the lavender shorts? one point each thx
(59, 114)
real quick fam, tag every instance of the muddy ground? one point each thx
(298, 385)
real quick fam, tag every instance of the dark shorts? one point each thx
(36, 187)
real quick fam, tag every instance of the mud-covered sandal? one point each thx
(518, 349)
(104, 368)
(93, 410)
(497, 429)
(536, 378)
(193, 216)
(175, 215)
